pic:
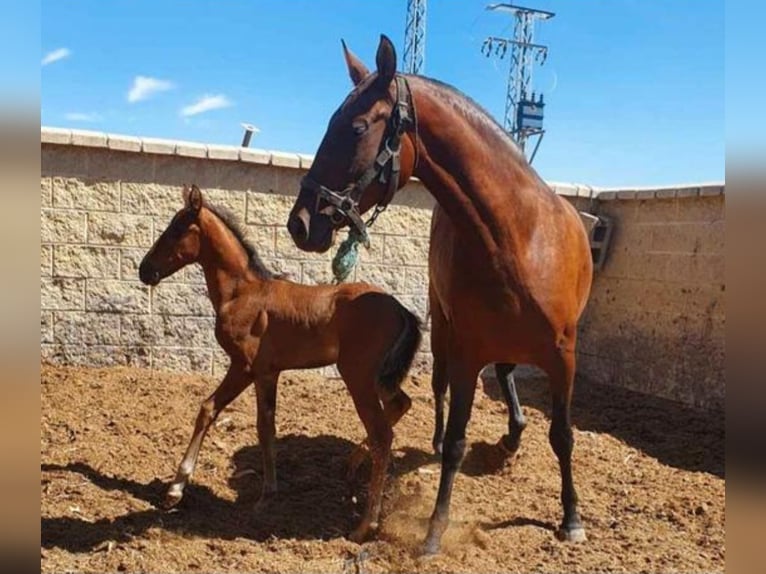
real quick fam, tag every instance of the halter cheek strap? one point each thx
(385, 168)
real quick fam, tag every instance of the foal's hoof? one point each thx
(172, 498)
(430, 548)
(361, 533)
(576, 534)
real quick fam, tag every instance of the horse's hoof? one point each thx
(172, 498)
(264, 501)
(430, 548)
(509, 445)
(576, 534)
(358, 535)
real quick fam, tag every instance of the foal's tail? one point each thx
(397, 362)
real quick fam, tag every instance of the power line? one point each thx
(523, 112)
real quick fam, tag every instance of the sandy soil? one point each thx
(650, 476)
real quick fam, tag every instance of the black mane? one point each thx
(254, 261)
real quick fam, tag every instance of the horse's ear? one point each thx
(356, 69)
(193, 197)
(386, 60)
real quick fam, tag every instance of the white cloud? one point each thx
(144, 87)
(205, 104)
(82, 117)
(56, 55)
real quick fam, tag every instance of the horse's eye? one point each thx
(359, 127)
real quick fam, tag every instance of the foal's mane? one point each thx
(254, 261)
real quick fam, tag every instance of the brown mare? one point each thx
(509, 262)
(267, 324)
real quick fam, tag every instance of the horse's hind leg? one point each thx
(516, 421)
(439, 380)
(230, 388)
(562, 440)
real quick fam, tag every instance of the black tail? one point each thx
(397, 362)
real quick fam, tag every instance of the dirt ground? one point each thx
(650, 476)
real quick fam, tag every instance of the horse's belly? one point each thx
(490, 315)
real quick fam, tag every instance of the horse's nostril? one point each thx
(146, 273)
(298, 228)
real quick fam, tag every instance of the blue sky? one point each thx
(634, 89)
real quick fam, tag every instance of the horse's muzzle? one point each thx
(148, 274)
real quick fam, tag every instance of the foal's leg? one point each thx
(462, 382)
(266, 394)
(562, 440)
(230, 388)
(394, 409)
(379, 437)
(516, 421)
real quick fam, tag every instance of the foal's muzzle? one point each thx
(148, 274)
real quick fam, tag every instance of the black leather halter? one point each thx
(385, 168)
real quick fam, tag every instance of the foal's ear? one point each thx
(386, 60)
(356, 69)
(193, 197)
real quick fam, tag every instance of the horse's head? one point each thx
(178, 245)
(364, 156)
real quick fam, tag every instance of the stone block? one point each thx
(62, 226)
(316, 273)
(62, 294)
(86, 261)
(223, 152)
(46, 327)
(119, 229)
(87, 329)
(88, 138)
(254, 155)
(268, 208)
(90, 195)
(182, 360)
(46, 192)
(398, 220)
(113, 296)
(123, 143)
(181, 299)
(406, 250)
(158, 146)
(389, 278)
(191, 149)
(46, 260)
(150, 199)
(284, 159)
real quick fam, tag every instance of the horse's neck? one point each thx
(224, 261)
(488, 194)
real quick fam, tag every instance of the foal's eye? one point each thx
(359, 127)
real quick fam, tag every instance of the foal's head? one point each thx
(178, 245)
(358, 131)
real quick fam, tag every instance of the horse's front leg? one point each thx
(266, 393)
(235, 381)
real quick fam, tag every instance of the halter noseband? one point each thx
(346, 202)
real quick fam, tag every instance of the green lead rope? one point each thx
(348, 254)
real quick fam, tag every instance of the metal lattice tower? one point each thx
(523, 114)
(415, 37)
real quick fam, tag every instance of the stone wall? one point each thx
(656, 318)
(654, 323)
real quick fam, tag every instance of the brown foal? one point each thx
(267, 324)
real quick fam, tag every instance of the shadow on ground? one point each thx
(669, 431)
